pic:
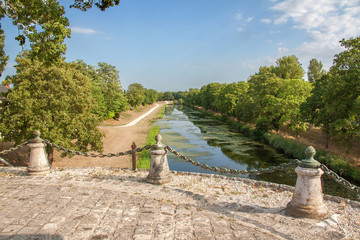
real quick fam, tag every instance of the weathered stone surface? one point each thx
(308, 195)
(119, 204)
(38, 163)
(159, 172)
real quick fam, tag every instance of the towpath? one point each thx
(119, 136)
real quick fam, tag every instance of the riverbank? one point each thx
(112, 203)
(292, 148)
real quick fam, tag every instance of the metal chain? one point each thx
(340, 180)
(100, 155)
(5, 162)
(234, 171)
(15, 148)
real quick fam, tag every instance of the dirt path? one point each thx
(117, 139)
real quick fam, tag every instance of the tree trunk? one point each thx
(327, 139)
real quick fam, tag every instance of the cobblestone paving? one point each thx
(119, 204)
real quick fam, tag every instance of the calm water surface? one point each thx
(209, 141)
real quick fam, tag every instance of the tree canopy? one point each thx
(102, 4)
(42, 23)
(61, 108)
(315, 70)
(335, 101)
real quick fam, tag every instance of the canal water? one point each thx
(209, 141)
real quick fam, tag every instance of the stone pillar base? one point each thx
(158, 180)
(159, 172)
(308, 200)
(38, 163)
(38, 172)
(302, 211)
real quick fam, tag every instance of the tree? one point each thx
(289, 67)
(313, 109)
(42, 23)
(135, 94)
(151, 96)
(114, 97)
(335, 101)
(275, 101)
(209, 96)
(229, 97)
(97, 89)
(167, 96)
(315, 70)
(60, 107)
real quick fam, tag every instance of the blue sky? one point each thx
(173, 45)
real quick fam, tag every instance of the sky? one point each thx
(174, 45)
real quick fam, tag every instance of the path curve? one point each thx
(135, 121)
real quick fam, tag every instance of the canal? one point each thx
(210, 141)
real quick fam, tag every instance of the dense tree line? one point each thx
(278, 96)
(65, 101)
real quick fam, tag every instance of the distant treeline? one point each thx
(278, 96)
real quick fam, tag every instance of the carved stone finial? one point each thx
(158, 144)
(37, 138)
(309, 161)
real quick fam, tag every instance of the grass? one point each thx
(294, 150)
(143, 161)
(161, 113)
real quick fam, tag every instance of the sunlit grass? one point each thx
(144, 157)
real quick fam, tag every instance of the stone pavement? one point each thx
(99, 203)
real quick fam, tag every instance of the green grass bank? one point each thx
(144, 158)
(292, 149)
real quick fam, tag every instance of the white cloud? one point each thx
(240, 29)
(254, 64)
(326, 22)
(282, 50)
(238, 16)
(266, 20)
(86, 31)
(249, 19)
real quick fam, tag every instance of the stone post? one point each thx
(308, 199)
(159, 172)
(133, 156)
(38, 163)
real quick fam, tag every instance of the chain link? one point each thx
(5, 162)
(234, 171)
(94, 155)
(15, 148)
(340, 180)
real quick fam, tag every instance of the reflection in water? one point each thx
(209, 141)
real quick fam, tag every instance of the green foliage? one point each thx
(275, 101)
(151, 96)
(295, 150)
(106, 89)
(101, 4)
(335, 101)
(54, 100)
(209, 96)
(162, 112)
(115, 100)
(167, 96)
(289, 67)
(42, 23)
(315, 70)
(144, 157)
(135, 94)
